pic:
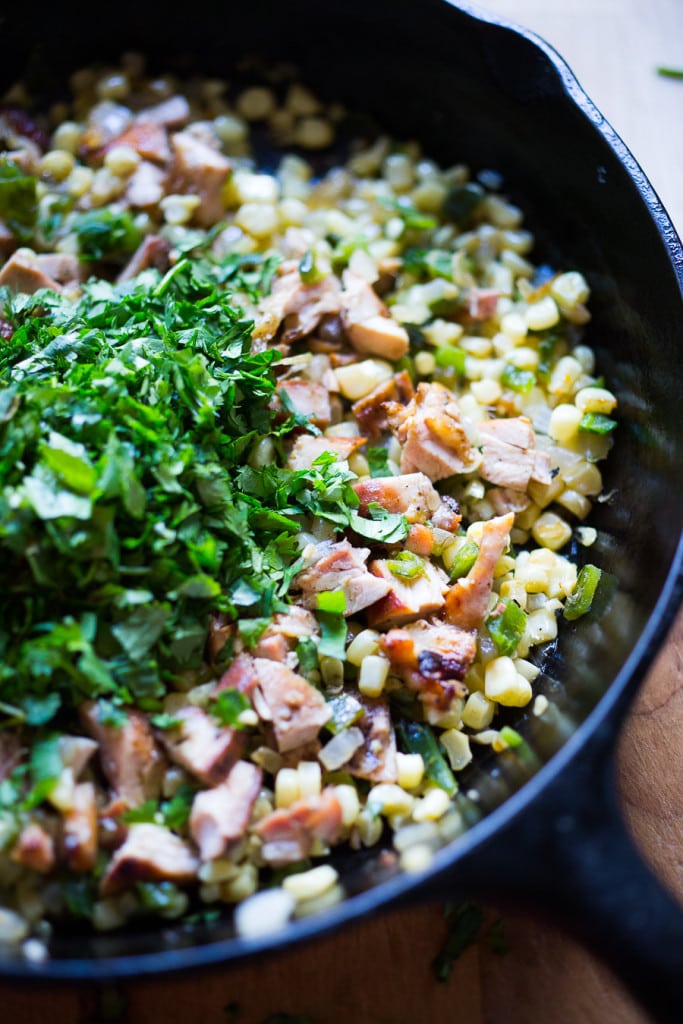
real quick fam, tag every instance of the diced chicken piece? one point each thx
(482, 303)
(75, 752)
(10, 753)
(307, 449)
(432, 659)
(288, 834)
(274, 647)
(35, 849)
(26, 271)
(296, 306)
(147, 139)
(420, 540)
(79, 833)
(308, 399)
(338, 566)
(467, 600)
(106, 121)
(505, 500)
(367, 321)
(221, 629)
(413, 494)
(240, 676)
(408, 599)
(219, 816)
(370, 411)
(376, 760)
(129, 755)
(202, 746)
(431, 432)
(152, 252)
(171, 113)
(296, 710)
(509, 455)
(151, 853)
(200, 170)
(145, 188)
(447, 515)
(295, 623)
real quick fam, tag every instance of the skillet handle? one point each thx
(574, 862)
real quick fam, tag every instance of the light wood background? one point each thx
(378, 972)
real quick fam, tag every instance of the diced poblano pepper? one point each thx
(580, 602)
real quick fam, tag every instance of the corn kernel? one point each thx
(255, 103)
(486, 392)
(564, 422)
(570, 289)
(425, 363)
(504, 684)
(310, 778)
(308, 885)
(374, 670)
(541, 626)
(551, 531)
(432, 806)
(389, 799)
(67, 136)
(541, 315)
(350, 804)
(287, 787)
(416, 858)
(258, 219)
(478, 711)
(57, 164)
(457, 746)
(564, 377)
(366, 643)
(584, 477)
(578, 504)
(121, 160)
(314, 133)
(179, 209)
(359, 379)
(410, 770)
(598, 400)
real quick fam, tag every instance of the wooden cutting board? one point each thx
(379, 971)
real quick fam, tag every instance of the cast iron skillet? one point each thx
(472, 88)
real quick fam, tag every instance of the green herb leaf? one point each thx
(106, 233)
(378, 461)
(464, 922)
(227, 707)
(18, 201)
(668, 72)
(333, 629)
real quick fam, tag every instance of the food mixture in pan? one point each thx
(291, 459)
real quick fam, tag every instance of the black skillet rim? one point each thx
(611, 706)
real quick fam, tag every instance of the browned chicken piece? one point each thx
(408, 599)
(370, 411)
(282, 635)
(447, 515)
(153, 252)
(145, 188)
(505, 500)
(295, 709)
(307, 449)
(431, 658)
(274, 647)
(129, 755)
(171, 113)
(27, 272)
(338, 566)
(150, 853)
(509, 454)
(10, 753)
(412, 494)
(199, 170)
(202, 746)
(376, 759)
(367, 321)
(308, 399)
(219, 816)
(79, 829)
(288, 834)
(35, 849)
(482, 303)
(420, 540)
(431, 432)
(296, 306)
(467, 600)
(148, 140)
(241, 675)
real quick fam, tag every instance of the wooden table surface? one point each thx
(379, 972)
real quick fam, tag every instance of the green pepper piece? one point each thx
(581, 600)
(418, 738)
(507, 627)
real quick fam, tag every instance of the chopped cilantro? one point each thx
(18, 202)
(419, 738)
(106, 233)
(464, 922)
(227, 707)
(331, 608)
(378, 461)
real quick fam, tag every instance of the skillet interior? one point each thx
(477, 93)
